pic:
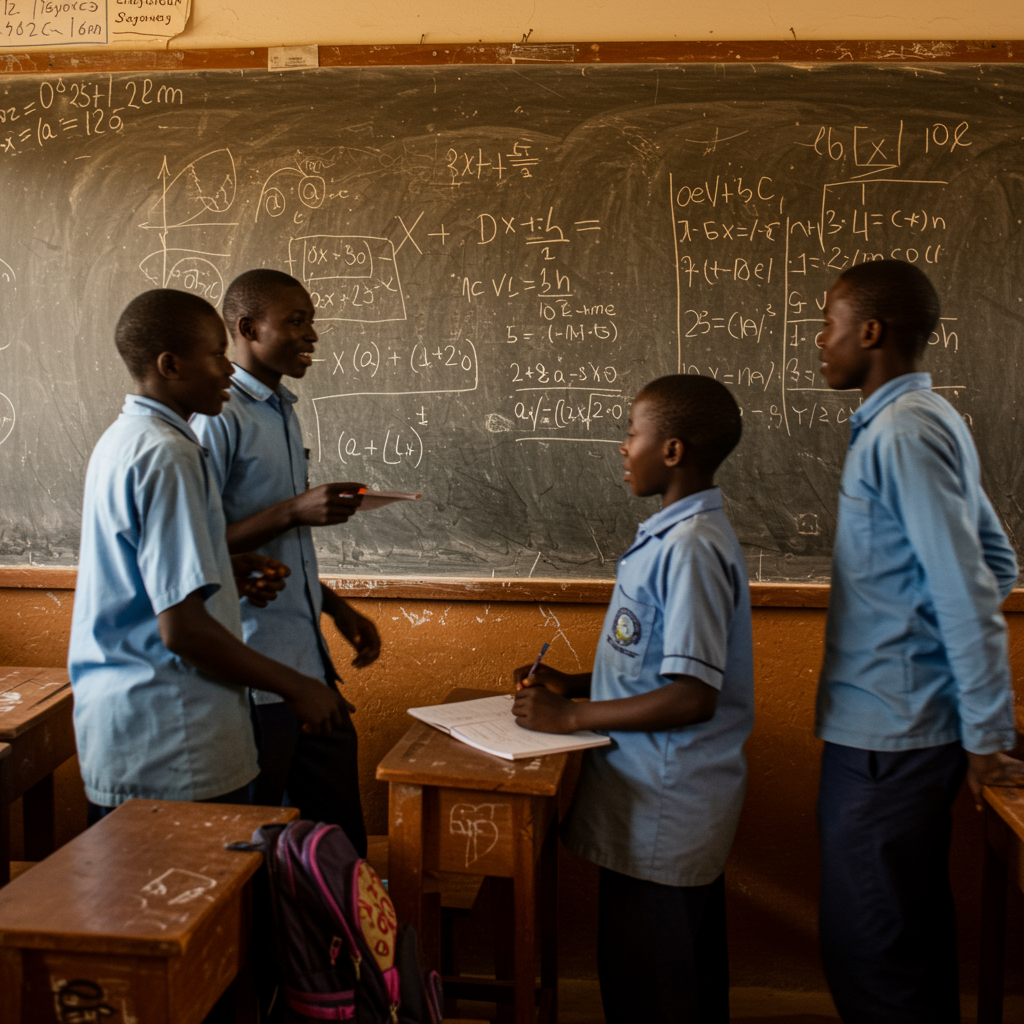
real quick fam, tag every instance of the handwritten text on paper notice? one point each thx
(88, 22)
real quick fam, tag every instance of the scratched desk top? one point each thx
(171, 866)
(28, 695)
(425, 756)
(1008, 803)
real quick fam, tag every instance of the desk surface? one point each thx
(27, 695)
(169, 859)
(1008, 803)
(425, 756)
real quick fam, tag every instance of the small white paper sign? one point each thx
(140, 21)
(291, 58)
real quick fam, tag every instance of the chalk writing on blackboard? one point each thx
(197, 197)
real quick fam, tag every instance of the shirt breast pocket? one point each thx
(854, 535)
(627, 636)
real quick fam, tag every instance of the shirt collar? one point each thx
(886, 395)
(137, 405)
(254, 388)
(685, 508)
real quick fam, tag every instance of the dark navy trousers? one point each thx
(886, 918)
(317, 774)
(661, 951)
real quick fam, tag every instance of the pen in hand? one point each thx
(536, 664)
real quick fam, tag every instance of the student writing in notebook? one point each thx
(672, 684)
(261, 469)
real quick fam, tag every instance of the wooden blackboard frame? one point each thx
(897, 51)
(764, 595)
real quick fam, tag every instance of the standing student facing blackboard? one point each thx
(260, 465)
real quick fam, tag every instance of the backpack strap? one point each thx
(321, 1006)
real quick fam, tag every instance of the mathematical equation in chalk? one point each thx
(78, 110)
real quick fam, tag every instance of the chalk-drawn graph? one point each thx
(349, 277)
(196, 199)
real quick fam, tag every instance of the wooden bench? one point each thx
(144, 917)
(36, 709)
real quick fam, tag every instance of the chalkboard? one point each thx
(501, 257)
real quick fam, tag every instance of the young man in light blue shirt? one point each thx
(915, 689)
(157, 664)
(673, 685)
(261, 469)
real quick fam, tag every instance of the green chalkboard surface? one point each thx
(500, 258)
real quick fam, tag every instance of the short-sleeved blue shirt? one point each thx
(258, 460)
(663, 806)
(915, 645)
(147, 723)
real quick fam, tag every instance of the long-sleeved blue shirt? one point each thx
(915, 646)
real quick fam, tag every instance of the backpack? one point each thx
(339, 951)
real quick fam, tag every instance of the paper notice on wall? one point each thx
(141, 21)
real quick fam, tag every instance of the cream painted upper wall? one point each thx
(227, 23)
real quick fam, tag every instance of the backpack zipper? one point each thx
(356, 962)
(335, 949)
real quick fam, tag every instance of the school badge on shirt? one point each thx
(627, 632)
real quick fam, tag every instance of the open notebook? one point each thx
(488, 724)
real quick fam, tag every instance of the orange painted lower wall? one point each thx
(432, 646)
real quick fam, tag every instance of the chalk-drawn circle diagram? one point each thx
(312, 191)
(310, 188)
(274, 201)
(8, 289)
(7, 417)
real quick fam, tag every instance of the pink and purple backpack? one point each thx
(339, 950)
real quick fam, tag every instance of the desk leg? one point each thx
(40, 837)
(406, 837)
(5, 837)
(524, 928)
(993, 921)
(549, 924)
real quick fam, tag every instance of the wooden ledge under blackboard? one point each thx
(904, 51)
(456, 588)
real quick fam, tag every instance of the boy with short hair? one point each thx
(673, 684)
(915, 687)
(261, 469)
(157, 664)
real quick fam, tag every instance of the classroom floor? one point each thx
(580, 1003)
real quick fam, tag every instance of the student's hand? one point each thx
(992, 770)
(320, 708)
(324, 505)
(259, 578)
(547, 678)
(359, 631)
(543, 711)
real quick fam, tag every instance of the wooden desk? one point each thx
(1004, 845)
(36, 720)
(145, 914)
(455, 809)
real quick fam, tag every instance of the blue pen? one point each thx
(536, 664)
